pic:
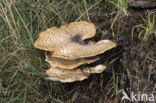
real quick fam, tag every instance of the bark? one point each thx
(142, 3)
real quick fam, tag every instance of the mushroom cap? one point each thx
(66, 63)
(71, 75)
(66, 75)
(67, 41)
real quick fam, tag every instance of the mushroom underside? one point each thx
(66, 63)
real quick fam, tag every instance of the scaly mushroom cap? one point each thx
(66, 63)
(67, 41)
(66, 75)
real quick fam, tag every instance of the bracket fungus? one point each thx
(66, 51)
(66, 63)
(67, 75)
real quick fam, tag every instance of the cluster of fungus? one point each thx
(66, 51)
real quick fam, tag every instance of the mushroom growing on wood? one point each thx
(66, 51)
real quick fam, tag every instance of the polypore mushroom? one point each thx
(67, 75)
(68, 41)
(66, 51)
(66, 63)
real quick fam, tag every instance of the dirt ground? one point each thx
(132, 62)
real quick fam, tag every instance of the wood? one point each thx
(142, 3)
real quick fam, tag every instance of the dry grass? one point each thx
(22, 66)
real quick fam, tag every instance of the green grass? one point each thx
(115, 87)
(148, 27)
(22, 66)
(121, 5)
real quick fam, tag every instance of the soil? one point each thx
(132, 62)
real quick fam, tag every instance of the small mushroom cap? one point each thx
(67, 41)
(67, 75)
(66, 63)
